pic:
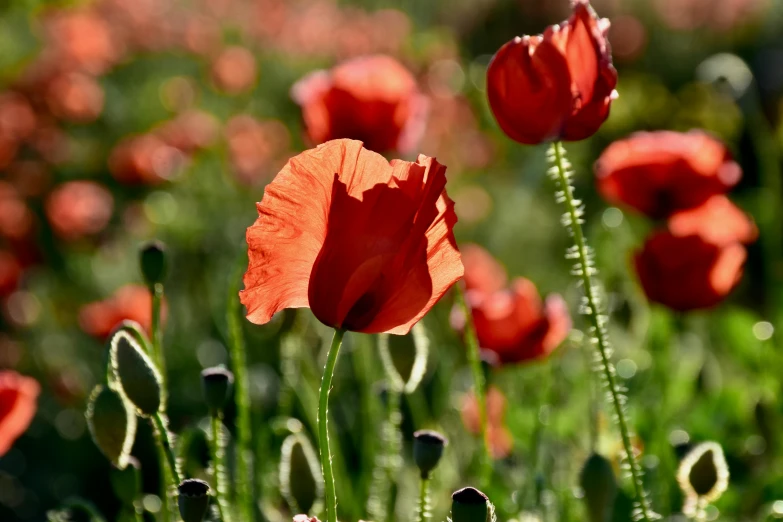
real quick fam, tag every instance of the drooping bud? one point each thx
(216, 384)
(152, 259)
(600, 488)
(127, 482)
(112, 424)
(703, 476)
(193, 500)
(470, 505)
(427, 450)
(301, 482)
(136, 373)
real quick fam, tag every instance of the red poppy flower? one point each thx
(659, 173)
(18, 396)
(75, 97)
(717, 221)
(558, 85)
(131, 302)
(373, 99)
(687, 272)
(234, 70)
(499, 437)
(10, 272)
(366, 244)
(79, 208)
(144, 159)
(513, 324)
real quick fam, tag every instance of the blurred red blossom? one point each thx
(17, 117)
(132, 302)
(81, 40)
(31, 178)
(373, 99)
(75, 97)
(366, 244)
(190, 131)
(144, 159)
(18, 404)
(79, 208)
(687, 272)
(558, 85)
(255, 147)
(16, 219)
(499, 437)
(658, 173)
(10, 273)
(720, 15)
(234, 70)
(717, 221)
(512, 323)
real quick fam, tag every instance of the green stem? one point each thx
(423, 514)
(219, 468)
(585, 270)
(242, 397)
(479, 384)
(323, 432)
(157, 331)
(163, 438)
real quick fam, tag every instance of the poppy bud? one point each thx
(301, 482)
(470, 505)
(152, 259)
(193, 500)
(136, 373)
(427, 450)
(127, 482)
(216, 385)
(600, 488)
(703, 475)
(112, 424)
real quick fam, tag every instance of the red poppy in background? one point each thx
(688, 272)
(16, 218)
(558, 85)
(499, 437)
(373, 99)
(18, 396)
(131, 302)
(717, 221)
(366, 244)
(10, 272)
(512, 323)
(234, 70)
(144, 159)
(662, 172)
(79, 208)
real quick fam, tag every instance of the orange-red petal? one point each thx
(18, 395)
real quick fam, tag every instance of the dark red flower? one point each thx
(688, 272)
(18, 395)
(79, 208)
(558, 85)
(131, 302)
(366, 244)
(511, 322)
(659, 173)
(10, 272)
(717, 221)
(373, 99)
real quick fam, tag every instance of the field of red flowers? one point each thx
(391, 261)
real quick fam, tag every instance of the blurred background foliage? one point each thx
(178, 113)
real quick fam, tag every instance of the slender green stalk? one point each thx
(218, 451)
(242, 397)
(479, 384)
(157, 331)
(323, 432)
(585, 270)
(162, 436)
(423, 513)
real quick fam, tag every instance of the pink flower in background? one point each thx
(79, 208)
(373, 99)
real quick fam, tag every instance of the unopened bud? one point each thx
(469, 505)
(136, 373)
(427, 450)
(152, 259)
(216, 385)
(112, 424)
(193, 500)
(600, 488)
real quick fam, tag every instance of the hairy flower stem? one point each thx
(218, 451)
(479, 384)
(157, 332)
(585, 270)
(323, 432)
(423, 512)
(244, 454)
(163, 438)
